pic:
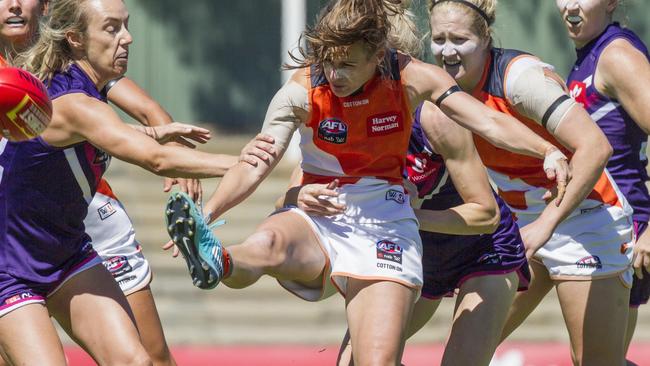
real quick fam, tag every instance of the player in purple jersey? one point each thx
(113, 238)
(610, 78)
(48, 261)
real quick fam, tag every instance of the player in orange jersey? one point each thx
(582, 247)
(352, 99)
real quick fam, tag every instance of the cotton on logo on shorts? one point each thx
(106, 211)
(395, 195)
(124, 281)
(590, 262)
(389, 251)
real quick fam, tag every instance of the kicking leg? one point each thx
(283, 246)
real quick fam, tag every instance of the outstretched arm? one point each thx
(137, 103)
(78, 117)
(287, 110)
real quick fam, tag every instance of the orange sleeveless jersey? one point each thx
(517, 176)
(363, 135)
(3, 62)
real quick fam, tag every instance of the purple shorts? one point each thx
(17, 292)
(450, 260)
(640, 288)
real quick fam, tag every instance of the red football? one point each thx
(25, 108)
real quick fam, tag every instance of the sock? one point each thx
(227, 262)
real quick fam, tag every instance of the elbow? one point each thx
(158, 164)
(607, 150)
(152, 114)
(601, 150)
(493, 219)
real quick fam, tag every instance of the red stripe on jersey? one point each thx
(105, 189)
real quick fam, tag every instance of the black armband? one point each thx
(112, 83)
(552, 108)
(449, 92)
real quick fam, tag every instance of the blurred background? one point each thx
(218, 63)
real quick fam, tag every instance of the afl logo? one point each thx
(333, 130)
(389, 251)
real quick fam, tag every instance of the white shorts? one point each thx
(376, 239)
(595, 243)
(113, 237)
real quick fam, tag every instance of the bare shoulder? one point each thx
(416, 70)
(621, 60)
(76, 106)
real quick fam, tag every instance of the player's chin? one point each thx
(120, 68)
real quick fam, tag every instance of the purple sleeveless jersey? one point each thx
(449, 260)
(628, 162)
(44, 197)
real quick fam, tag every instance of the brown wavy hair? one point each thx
(342, 23)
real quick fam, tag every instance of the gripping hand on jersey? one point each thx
(556, 166)
(317, 199)
(535, 235)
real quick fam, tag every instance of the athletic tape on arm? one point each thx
(536, 95)
(282, 117)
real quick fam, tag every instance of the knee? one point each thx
(268, 244)
(160, 355)
(136, 358)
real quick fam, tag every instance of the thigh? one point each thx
(592, 309)
(422, 312)
(481, 309)
(27, 337)
(377, 313)
(151, 332)
(92, 309)
(526, 301)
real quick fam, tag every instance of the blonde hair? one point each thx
(480, 25)
(343, 23)
(404, 34)
(52, 52)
